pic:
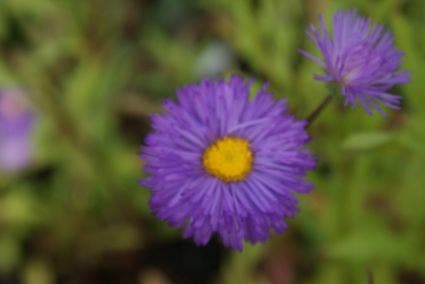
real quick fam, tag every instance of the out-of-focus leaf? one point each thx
(19, 208)
(241, 266)
(366, 141)
(10, 254)
(370, 245)
(37, 272)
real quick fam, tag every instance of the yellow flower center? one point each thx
(228, 158)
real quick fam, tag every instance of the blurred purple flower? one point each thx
(222, 163)
(16, 123)
(360, 57)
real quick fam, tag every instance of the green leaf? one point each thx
(367, 140)
(371, 245)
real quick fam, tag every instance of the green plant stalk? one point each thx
(333, 91)
(315, 113)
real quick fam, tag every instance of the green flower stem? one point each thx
(315, 113)
(333, 91)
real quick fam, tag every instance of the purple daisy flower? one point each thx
(222, 163)
(361, 58)
(16, 123)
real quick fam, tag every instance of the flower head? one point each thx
(16, 122)
(221, 163)
(361, 58)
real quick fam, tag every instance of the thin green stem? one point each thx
(315, 113)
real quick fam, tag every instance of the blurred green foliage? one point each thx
(95, 70)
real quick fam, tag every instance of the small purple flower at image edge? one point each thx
(16, 124)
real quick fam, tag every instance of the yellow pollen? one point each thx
(228, 158)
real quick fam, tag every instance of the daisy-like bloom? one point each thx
(360, 57)
(221, 163)
(16, 123)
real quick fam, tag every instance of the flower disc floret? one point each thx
(229, 159)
